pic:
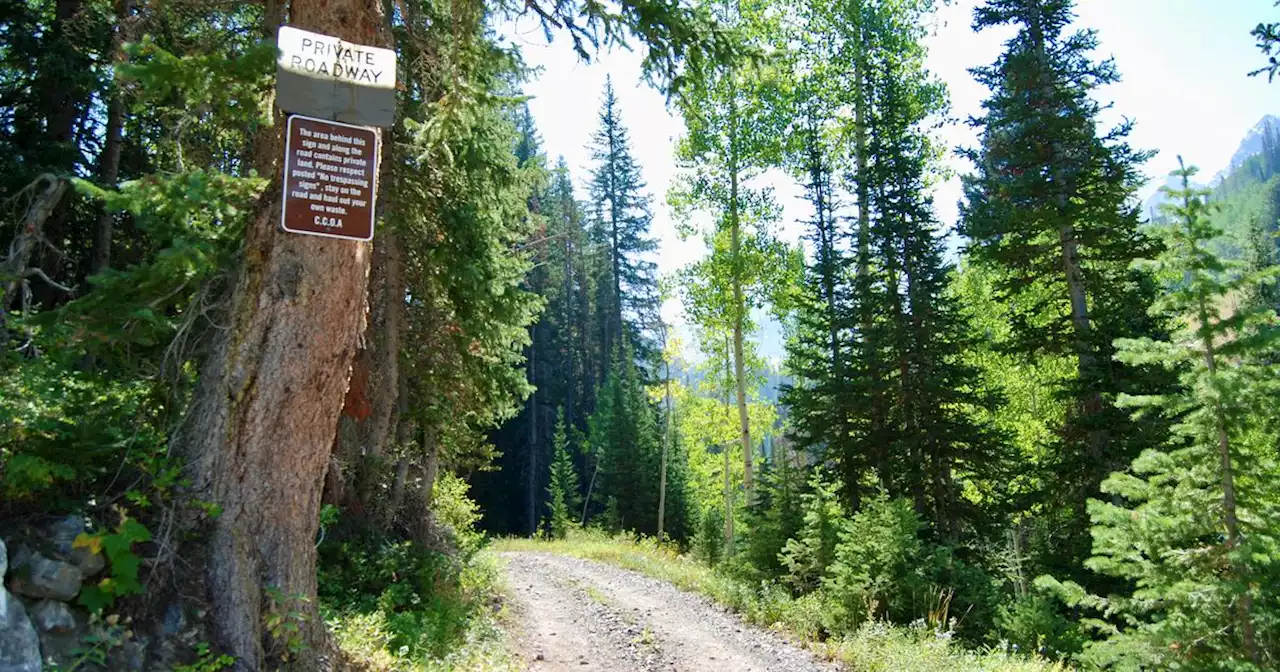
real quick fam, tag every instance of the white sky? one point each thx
(1183, 63)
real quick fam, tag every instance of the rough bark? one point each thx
(381, 357)
(258, 436)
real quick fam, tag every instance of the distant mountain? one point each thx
(1250, 146)
(1151, 206)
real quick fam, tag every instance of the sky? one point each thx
(1183, 63)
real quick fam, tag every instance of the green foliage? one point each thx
(776, 519)
(420, 599)
(565, 501)
(457, 512)
(624, 439)
(206, 660)
(1191, 526)
(283, 619)
(808, 556)
(708, 543)
(1034, 623)
(123, 564)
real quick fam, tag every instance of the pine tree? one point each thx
(564, 499)
(1191, 526)
(625, 442)
(1050, 210)
(627, 288)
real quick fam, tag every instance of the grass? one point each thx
(477, 641)
(874, 647)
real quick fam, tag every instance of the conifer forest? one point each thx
(862, 421)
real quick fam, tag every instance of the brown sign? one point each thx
(330, 174)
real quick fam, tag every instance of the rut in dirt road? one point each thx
(582, 615)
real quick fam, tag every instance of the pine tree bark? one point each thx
(380, 357)
(258, 435)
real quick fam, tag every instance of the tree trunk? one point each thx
(380, 358)
(666, 442)
(728, 482)
(397, 488)
(113, 143)
(46, 193)
(862, 179)
(739, 303)
(258, 435)
(531, 503)
(1244, 604)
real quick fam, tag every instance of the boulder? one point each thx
(62, 541)
(53, 616)
(19, 646)
(62, 535)
(41, 578)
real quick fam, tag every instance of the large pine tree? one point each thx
(627, 286)
(1050, 210)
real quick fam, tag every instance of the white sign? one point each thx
(325, 57)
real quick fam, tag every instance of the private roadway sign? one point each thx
(330, 178)
(326, 77)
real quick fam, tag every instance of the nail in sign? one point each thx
(330, 173)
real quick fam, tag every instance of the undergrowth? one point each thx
(396, 605)
(874, 646)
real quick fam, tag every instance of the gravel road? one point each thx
(581, 615)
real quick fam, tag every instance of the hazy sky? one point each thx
(1184, 65)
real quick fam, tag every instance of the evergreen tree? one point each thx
(627, 287)
(1050, 209)
(564, 499)
(1191, 526)
(626, 445)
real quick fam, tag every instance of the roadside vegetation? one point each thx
(863, 644)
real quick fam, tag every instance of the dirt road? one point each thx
(582, 615)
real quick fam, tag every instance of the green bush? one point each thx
(1034, 623)
(708, 543)
(458, 512)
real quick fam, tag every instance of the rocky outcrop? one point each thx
(19, 645)
(39, 577)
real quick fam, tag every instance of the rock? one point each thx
(4, 561)
(174, 620)
(62, 540)
(62, 535)
(19, 646)
(40, 577)
(53, 616)
(64, 646)
(131, 656)
(88, 562)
